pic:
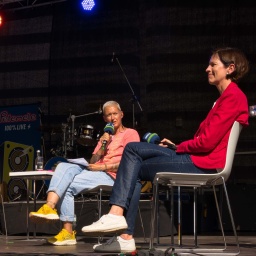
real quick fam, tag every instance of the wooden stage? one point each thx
(20, 245)
(18, 242)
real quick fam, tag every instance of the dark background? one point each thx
(60, 56)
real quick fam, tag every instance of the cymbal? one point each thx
(87, 142)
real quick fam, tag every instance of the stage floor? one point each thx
(21, 245)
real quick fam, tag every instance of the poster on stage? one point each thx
(20, 138)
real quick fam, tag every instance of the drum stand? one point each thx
(64, 142)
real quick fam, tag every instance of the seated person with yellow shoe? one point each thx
(71, 179)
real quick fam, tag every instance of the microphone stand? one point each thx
(134, 97)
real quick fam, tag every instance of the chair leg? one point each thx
(5, 225)
(99, 198)
(179, 217)
(230, 215)
(172, 215)
(153, 214)
(142, 226)
(195, 216)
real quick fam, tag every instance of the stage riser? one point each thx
(86, 213)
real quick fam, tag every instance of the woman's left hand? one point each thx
(96, 167)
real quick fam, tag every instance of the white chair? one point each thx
(199, 181)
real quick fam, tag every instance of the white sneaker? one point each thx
(105, 225)
(116, 245)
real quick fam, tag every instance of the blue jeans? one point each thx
(141, 161)
(69, 180)
(131, 213)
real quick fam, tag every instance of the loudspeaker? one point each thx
(15, 157)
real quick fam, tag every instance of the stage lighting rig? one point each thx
(87, 5)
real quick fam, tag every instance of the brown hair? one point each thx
(233, 56)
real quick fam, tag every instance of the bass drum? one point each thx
(52, 164)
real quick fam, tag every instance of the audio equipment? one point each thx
(153, 138)
(15, 157)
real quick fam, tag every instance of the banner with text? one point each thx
(20, 137)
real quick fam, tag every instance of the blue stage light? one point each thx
(87, 4)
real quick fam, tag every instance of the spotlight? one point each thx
(87, 4)
(1, 20)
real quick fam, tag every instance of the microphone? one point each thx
(153, 138)
(113, 57)
(109, 128)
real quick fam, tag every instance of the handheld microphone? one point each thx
(153, 138)
(109, 128)
(113, 57)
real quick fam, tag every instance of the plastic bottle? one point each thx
(39, 161)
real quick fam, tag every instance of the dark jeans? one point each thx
(140, 162)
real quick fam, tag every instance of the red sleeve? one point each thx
(217, 124)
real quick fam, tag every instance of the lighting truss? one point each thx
(24, 4)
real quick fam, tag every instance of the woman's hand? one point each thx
(164, 143)
(105, 137)
(97, 167)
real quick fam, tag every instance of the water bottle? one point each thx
(39, 162)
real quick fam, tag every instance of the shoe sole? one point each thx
(115, 250)
(68, 242)
(105, 232)
(133, 252)
(42, 218)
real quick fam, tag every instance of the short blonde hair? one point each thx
(111, 103)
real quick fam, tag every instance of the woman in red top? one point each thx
(204, 153)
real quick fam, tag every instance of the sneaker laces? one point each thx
(62, 234)
(111, 240)
(101, 220)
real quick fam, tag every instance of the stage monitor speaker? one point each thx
(15, 157)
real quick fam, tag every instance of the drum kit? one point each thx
(84, 136)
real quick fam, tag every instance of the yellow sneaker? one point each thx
(44, 214)
(63, 238)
